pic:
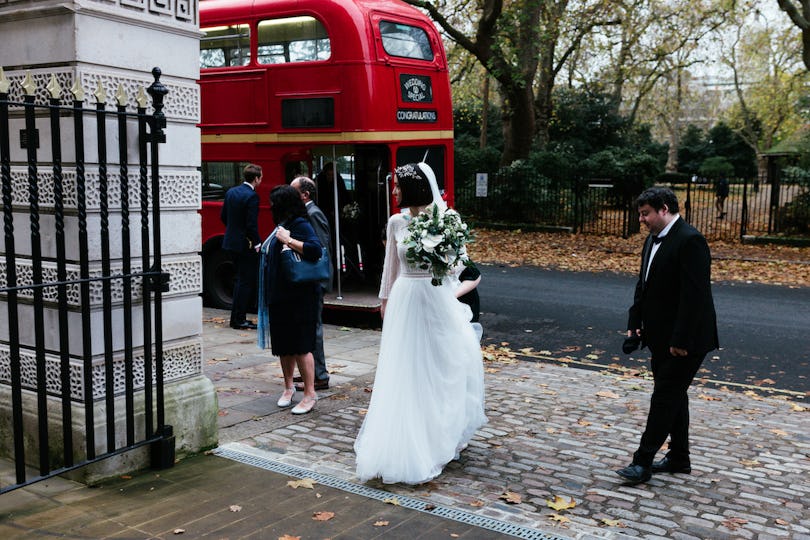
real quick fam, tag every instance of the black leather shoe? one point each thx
(668, 466)
(247, 325)
(319, 385)
(635, 474)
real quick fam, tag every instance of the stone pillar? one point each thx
(111, 45)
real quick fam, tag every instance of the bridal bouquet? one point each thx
(436, 241)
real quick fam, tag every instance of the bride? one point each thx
(428, 397)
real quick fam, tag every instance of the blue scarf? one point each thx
(263, 331)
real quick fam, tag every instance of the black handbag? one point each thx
(298, 270)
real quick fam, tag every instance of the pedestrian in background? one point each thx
(240, 214)
(288, 312)
(306, 187)
(673, 315)
(721, 194)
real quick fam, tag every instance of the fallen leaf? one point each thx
(288, 537)
(764, 381)
(798, 408)
(781, 522)
(607, 394)
(304, 483)
(125, 477)
(750, 462)
(709, 398)
(392, 500)
(430, 507)
(558, 518)
(477, 504)
(559, 503)
(582, 422)
(323, 516)
(613, 522)
(380, 523)
(511, 497)
(235, 508)
(734, 523)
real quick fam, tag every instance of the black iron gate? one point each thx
(62, 307)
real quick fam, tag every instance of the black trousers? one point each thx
(669, 408)
(244, 285)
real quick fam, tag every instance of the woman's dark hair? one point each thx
(286, 203)
(414, 186)
(657, 197)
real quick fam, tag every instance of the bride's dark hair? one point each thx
(414, 186)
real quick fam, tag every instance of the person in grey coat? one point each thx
(306, 186)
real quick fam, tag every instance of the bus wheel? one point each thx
(218, 276)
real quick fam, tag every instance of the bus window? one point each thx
(218, 177)
(432, 155)
(223, 46)
(405, 40)
(292, 39)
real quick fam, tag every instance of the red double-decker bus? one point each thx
(297, 85)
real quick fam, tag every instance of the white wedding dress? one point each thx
(428, 396)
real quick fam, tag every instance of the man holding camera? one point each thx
(673, 315)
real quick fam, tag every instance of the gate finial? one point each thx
(120, 95)
(77, 91)
(54, 88)
(4, 82)
(101, 95)
(28, 85)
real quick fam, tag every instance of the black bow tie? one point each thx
(658, 239)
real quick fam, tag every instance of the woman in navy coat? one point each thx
(290, 310)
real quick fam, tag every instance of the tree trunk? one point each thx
(672, 153)
(518, 123)
(485, 114)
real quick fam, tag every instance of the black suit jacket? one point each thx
(674, 306)
(240, 214)
(319, 222)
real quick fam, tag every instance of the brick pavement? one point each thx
(553, 431)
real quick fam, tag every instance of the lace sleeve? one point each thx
(391, 263)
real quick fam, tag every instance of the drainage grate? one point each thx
(468, 518)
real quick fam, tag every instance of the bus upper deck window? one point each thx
(292, 39)
(405, 40)
(223, 46)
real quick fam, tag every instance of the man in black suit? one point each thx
(240, 214)
(673, 315)
(306, 187)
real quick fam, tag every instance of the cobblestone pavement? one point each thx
(554, 432)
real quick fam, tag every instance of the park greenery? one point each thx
(625, 89)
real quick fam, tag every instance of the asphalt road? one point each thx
(764, 330)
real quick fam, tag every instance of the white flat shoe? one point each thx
(304, 406)
(286, 397)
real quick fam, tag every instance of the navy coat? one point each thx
(240, 214)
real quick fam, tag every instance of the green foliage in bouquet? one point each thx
(436, 241)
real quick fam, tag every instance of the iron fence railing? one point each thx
(594, 206)
(48, 300)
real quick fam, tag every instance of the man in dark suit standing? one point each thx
(240, 214)
(673, 315)
(306, 187)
